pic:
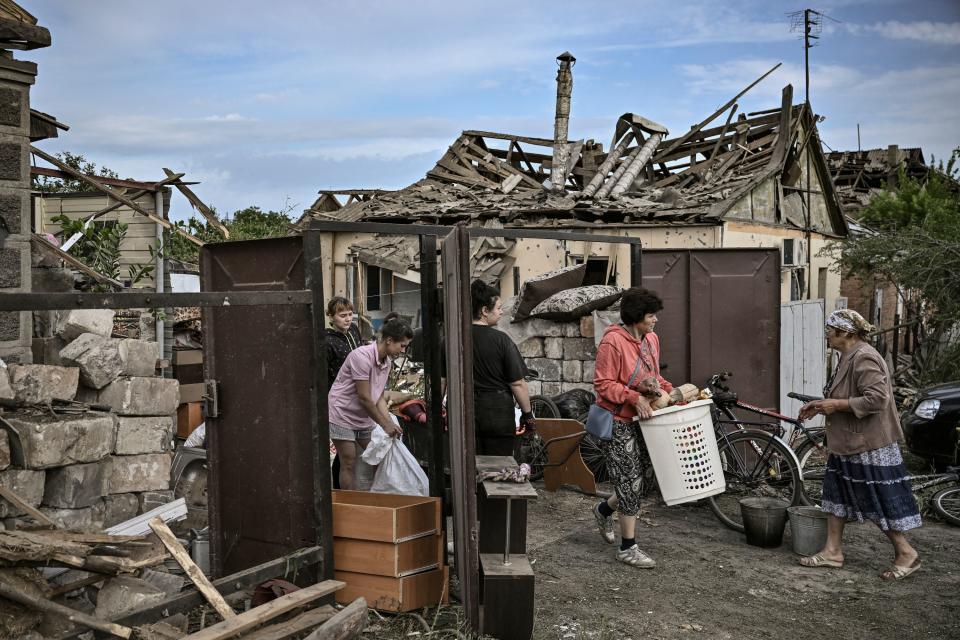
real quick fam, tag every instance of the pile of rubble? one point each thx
(86, 440)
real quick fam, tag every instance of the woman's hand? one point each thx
(825, 407)
(392, 429)
(644, 410)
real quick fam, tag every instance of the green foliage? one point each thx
(76, 161)
(99, 247)
(913, 242)
(246, 224)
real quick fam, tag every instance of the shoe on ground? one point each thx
(636, 558)
(605, 525)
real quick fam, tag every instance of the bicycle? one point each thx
(532, 449)
(755, 459)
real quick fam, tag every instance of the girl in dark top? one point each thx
(498, 371)
(343, 336)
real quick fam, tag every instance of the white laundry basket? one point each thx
(683, 449)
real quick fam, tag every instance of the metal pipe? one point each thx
(561, 123)
(639, 161)
(606, 165)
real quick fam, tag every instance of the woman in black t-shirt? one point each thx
(498, 371)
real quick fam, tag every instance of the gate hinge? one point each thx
(211, 397)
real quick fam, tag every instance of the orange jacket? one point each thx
(617, 358)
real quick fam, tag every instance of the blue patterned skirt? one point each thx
(873, 485)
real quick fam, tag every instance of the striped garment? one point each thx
(873, 485)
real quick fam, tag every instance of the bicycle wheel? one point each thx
(947, 505)
(813, 466)
(754, 464)
(544, 407)
(533, 453)
(593, 457)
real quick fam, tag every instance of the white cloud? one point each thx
(945, 33)
(230, 117)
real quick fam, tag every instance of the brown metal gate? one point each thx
(721, 313)
(262, 499)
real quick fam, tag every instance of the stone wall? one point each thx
(16, 77)
(563, 353)
(87, 467)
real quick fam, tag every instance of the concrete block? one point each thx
(75, 486)
(571, 329)
(572, 371)
(567, 386)
(10, 325)
(46, 280)
(136, 435)
(587, 329)
(531, 348)
(44, 441)
(142, 396)
(71, 324)
(553, 348)
(34, 383)
(589, 366)
(88, 519)
(97, 357)
(548, 368)
(120, 508)
(550, 389)
(149, 472)
(4, 449)
(139, 357)
(535, 387)
(122, 594)
(150, 500)
(6, 391)
(88, 395)
(166, 582)
(579, 349)
(534, 327)
(25, 483)
(47, 350)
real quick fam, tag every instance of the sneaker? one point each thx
(605, 525)
(636, 558)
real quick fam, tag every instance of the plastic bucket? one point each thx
(764, 520)
(684, 453)
(808, 529)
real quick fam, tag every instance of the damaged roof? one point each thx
(860, 175)
(695, 178)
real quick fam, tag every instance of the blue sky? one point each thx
(265, 103)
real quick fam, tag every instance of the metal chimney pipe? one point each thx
(561, 123)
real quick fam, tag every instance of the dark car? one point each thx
(932, 423)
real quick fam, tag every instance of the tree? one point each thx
(913, 242)
(46, 184)
(250, 223)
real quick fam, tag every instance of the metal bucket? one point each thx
(808, 529)
(764, 520)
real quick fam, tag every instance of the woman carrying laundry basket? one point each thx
(629, 353)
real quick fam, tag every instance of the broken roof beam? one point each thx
(45, 246)
(134, 196)
(96, 184)
(113, 182)
(199, 205)
(640, 159)
(540, 142)
(695, 129)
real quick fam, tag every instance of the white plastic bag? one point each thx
(378, 447)
(399, 472)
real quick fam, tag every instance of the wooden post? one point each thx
(41, 604)
(347, 624)
(431, 319)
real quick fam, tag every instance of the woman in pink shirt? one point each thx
(356, 404)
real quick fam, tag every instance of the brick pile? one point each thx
(91, 469)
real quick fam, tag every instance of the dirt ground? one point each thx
(709, 583)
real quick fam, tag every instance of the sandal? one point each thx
(818, 560)
(896, 572)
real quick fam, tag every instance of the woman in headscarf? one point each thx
(865, 477)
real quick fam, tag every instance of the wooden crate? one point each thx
(189, 417)
(408, 593)
(387, 558)
(384, 517)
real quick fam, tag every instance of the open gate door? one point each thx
(260, 446)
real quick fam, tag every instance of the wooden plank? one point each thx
(137, 194)
(199, 205)
(693, 130)
(258, 615)
(307, 620)
(99, 187)
(11, 497)
(41, 604)
(540, 142)
(193, 571)
(348, 623)
(504, 490)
